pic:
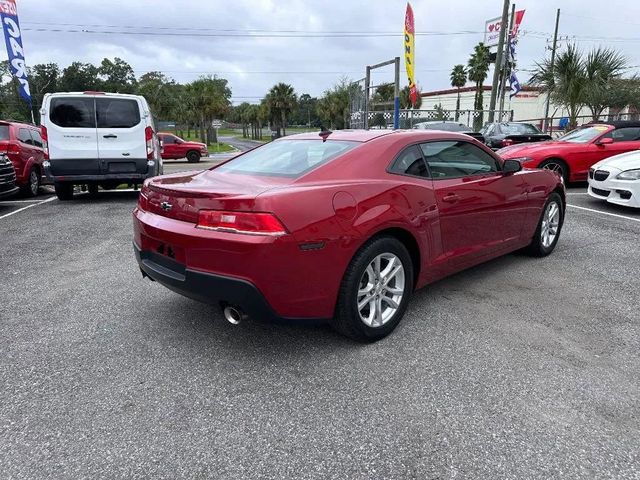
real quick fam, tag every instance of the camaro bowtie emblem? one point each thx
(166, 206)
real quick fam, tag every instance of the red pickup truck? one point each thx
(174, 147)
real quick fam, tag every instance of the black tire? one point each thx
(347, 317)
(93, 189)
(557, 165)
(537, 248)
(32, 188)
(64, 191)
(193, 156)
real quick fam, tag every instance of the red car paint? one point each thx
(332, 210)
(25, 150)
(173, 147)
(578, 157)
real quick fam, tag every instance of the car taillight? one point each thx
(241, 222)
(11, 147)
(45, 141)
(506, 142)
(148, 136)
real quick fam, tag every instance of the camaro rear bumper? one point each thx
(206, 287)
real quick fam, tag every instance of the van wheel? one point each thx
(193, 157)
(64, 191)
(93, 189)
(31, 189)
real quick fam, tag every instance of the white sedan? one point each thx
(617, 179)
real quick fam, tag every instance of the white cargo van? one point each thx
(98, 139)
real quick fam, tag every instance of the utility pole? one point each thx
(507, 60)
(496, 70)
(553, 59)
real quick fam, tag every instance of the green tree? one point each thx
(208, 98)
(117, 76)
(79, 77)
(458, 80)
(160, 92)
(602, 67)
(478, 69)
(566, 81)
(333, 107)
(282, 100)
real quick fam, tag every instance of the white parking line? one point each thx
(11, 202)
(577, 193)
(604, 213)
(24, 208)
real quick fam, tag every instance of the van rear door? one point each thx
(72, 136)
(121, 134)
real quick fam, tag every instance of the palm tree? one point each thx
(458, 80)
(602, 67)
(566, 81)
(477, 72)
(282, 100)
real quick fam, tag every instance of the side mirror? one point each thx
(605, 141)
(511, 166)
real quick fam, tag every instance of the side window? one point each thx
(37, 139)
(73, 112)
(167, 139)
(627, 134)
(410, 162)
(117, 112)
(24, 137)
(451, 159)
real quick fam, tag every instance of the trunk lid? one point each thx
(181, 196)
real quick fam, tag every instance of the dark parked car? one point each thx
(341, 227)
(499, 135)
(8, 185)
(448, 126)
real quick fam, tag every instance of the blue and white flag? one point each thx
(13, 40)
(514, 85)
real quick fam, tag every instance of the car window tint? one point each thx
(410, 162)
(166, 139)
(519, 129)
(24, 136)
(4, 132)
(286, 158)
(626, 134)
(73, 112)
(117, 113)
(37, 139)
(452, 159)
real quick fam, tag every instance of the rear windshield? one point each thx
(73, 112)
(286, 158)
(117, 112)
(519, 129)
(4, 132)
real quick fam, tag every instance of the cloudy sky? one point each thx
(257, 43)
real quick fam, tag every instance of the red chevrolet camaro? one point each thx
(341, 226)
(573, 154)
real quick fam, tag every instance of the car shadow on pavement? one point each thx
(106, 196)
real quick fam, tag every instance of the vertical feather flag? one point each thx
(13, 40)
(409, 54)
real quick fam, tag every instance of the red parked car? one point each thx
(174, 147)
(573, 154)
(23, 145)
(341, 227)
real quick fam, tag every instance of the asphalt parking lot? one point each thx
(519, 368)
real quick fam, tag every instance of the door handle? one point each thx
(111, 135)
(450, 198)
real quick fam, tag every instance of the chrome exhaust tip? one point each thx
(233, 315)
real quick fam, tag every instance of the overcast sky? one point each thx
(310, 64)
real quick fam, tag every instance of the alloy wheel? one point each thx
(34, 182)
(550, 224)
(380, 290)
(554, 167)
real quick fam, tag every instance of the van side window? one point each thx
(117, 112)
(24, 137)
(73, 112)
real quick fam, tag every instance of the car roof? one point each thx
(369, 135)
(92, 93)
(615, 123)
(16, 122)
